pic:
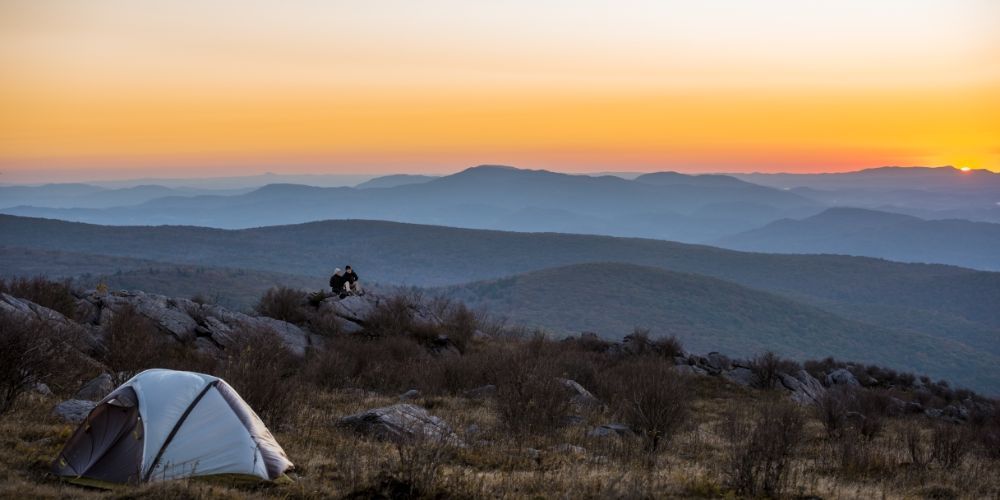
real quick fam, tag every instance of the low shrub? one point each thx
(284, 303)
(530, 398)
(653, 399)
(761, 442)
(263, 372)
(767, 368)
(132, 344)
(54, 295)
(950, 443)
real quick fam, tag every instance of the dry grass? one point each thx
(331, 462)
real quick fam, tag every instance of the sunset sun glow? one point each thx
(222, 87)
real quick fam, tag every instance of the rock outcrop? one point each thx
(74, 410)
(804, 388)
(841, 376)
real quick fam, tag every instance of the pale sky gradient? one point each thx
(223, 87)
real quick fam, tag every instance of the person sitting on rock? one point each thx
(339, 284)
(353, 285)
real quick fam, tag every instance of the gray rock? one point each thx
(74, 410)
(401, 423)
(717, 363)
(804, 388)
(96, 388)
(578, 395)
(841, 376)
(410, 394)
(227, 327)
(741, 376)
(354, 308)
(955, 411)
(611, 430)
(29, 310)
(169, 315)
(41, 388)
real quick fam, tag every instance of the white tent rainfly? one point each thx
(167, 424)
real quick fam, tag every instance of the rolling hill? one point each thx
(662, 206)
(853, 231)
(711, 314)
(946, 303)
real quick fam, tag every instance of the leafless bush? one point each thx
(653, 399)
(30, 352)
(131, 345)
(761, 442)
(530, 398)
(393, 316)
(949, 444)
(831, 410)
(324, 323)
(286, 304)
(910, 436)
(54, 295)
(868, 412)
(855, 453)
(988, 434)
(766, 369)
(459, 323)
(419, 461)
(382, 364)
(262, 371)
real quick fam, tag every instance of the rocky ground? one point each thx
(446, 427)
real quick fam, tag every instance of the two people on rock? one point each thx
(345, 282)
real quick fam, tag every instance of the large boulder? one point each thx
(29, 310)
(578, 394)
(401, 423)
(96, 388)
(226, 328)
(353, 308)
(74, 410)
(841, 376)
(804, 388)
(740, 375)
(169, 315)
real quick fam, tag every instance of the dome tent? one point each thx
(167, 424)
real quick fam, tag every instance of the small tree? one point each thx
(29, 352)
(131, 345)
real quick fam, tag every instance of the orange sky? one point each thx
(221, 87)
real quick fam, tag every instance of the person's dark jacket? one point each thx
(351, 276)
(337, 282)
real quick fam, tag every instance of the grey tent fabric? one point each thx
(167, 424)
(108, 444)
(274, 457)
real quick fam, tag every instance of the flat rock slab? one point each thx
(74, 410)
(401, 423)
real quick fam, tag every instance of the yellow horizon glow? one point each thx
(309, 86)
